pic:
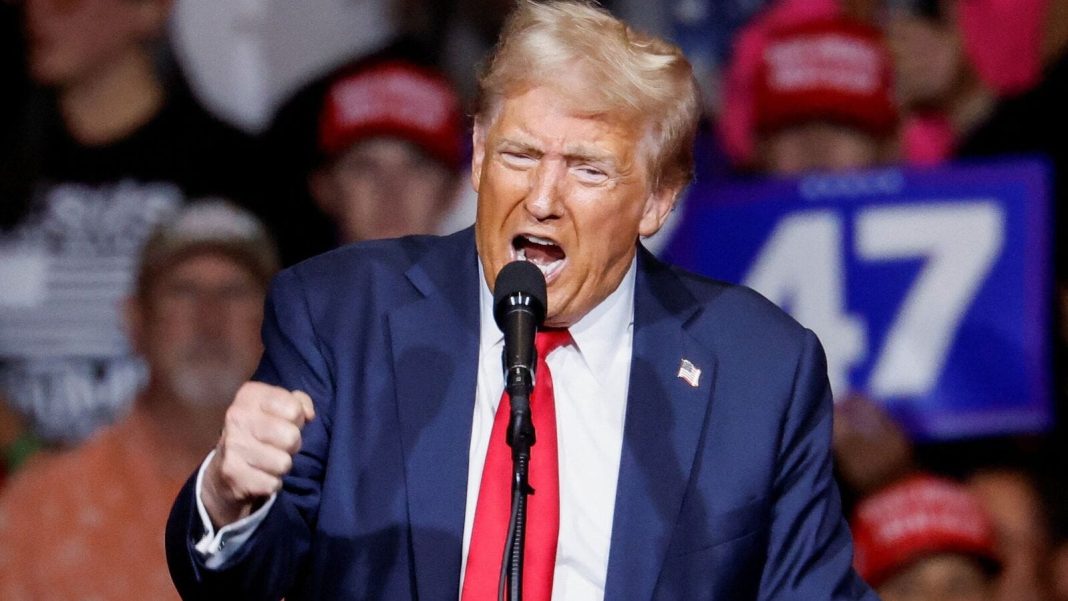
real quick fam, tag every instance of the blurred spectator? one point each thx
(1003, 42)
(925, 539)
(390, 135)
(871, 452)
(936, 79)
(1007, 41)
(983, 95)
(735, 121)
(1013, 501)
(88, 523)
(110, 151)
(824, 98)
(373, 150)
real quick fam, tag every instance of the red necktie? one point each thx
(495, 494)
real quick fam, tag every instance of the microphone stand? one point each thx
(519, 299)
(519, 381)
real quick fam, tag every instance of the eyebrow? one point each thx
(573, 153)
(518, 145)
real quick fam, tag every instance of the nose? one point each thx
(210, 322)
(545, 198)
(212, 311)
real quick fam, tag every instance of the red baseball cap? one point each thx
(832, 69)
(920, 516)
(392, 98)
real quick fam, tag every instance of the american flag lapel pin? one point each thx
(690, 373)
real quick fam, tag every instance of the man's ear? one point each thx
(478, 154)
(133, 314)
(658, 206)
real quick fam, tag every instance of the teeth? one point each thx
(546, 268)
(541, 241)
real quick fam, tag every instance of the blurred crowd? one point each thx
(161, 159)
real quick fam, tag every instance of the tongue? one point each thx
(542, 254)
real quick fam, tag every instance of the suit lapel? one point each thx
(665, 419)
(434, 342)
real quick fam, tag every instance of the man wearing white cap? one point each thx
(86, 524)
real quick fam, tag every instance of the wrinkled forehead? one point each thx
(576, 84)
(578, 96)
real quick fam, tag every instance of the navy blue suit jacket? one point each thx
(725, 489)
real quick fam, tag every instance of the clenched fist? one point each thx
(259, 438)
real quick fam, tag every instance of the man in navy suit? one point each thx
(693, 418)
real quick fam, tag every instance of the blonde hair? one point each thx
(623, 71)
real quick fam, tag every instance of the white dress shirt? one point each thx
(591, 378)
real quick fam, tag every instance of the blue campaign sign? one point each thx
(928, 287)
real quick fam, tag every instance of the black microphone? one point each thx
(519, 301)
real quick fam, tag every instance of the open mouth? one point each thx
(545, 254)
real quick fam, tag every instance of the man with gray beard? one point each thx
(86, 523)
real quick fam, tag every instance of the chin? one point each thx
(558, 319)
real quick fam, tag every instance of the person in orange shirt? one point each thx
(88, 523)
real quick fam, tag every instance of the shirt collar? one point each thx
(598, 335)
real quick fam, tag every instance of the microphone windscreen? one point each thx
(519, 277)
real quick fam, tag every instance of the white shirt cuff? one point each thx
(218, 547)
